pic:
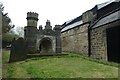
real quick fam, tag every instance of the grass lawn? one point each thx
(68, 66)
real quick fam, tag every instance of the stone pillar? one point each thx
(58, 39)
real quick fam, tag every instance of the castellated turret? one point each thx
(48, 25)
(31, 30)
(32, 19)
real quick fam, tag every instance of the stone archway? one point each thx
(45, 46)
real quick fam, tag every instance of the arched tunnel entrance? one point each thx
(45, 46)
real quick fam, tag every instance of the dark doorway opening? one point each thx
(113, 44)
(45, 46)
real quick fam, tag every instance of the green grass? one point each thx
(68, 66)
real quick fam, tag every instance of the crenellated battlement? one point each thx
(32, 15)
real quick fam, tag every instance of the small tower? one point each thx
(32, 19)
(31, 31)
(48, 25)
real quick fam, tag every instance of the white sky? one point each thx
(57, 11)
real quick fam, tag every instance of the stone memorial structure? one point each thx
(18, 50)
(46, 41)
(95, 33)
(36, 42)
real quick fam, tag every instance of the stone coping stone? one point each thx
(41, 55)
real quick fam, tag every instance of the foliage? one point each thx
(1, 7)
(20, 31)
(68, 66)
(6, 21)
(7, 39)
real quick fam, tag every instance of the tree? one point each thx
(1, 7)
(6, 21)
(7, 36)
(7, 39)
(20, 31)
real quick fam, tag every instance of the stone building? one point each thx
(95, 33)
(46, 41)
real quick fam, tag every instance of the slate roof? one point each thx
(78, 21)
(72, 25)
(99, 6)
(67, 22)
(107, 19)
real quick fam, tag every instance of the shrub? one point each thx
(7, 39)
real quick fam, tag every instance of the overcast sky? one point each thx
(57, 11)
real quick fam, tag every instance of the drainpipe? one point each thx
(89, 40)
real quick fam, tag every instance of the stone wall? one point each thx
(98, 40)
(76, 40)
(98, 43)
